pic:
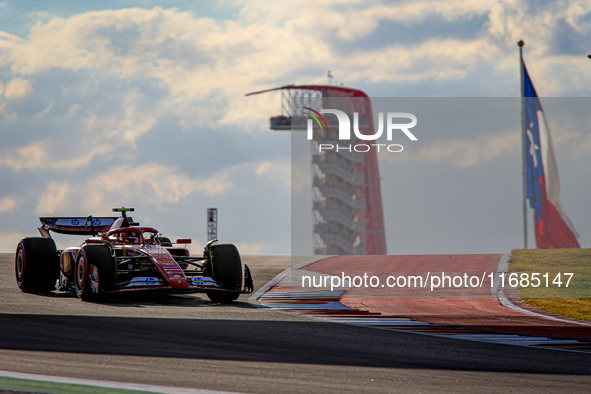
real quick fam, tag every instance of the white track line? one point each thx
(254, 298)
(108, 384)
(499, 294)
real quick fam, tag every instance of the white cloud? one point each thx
(38, 155)
(121, 127)
(74, 109)
(152, 182)
(18, 88)
(81, 137)
(7, 42)
(7, 204)
(277, 171)
(420, 63)
(461, 153)
(45, 112)
(30, 156)
(161, 184)
(559, 65)
(56, 196)
(208, 65)
(127, 130)
(9, 240)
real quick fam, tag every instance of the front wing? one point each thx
(197, 284)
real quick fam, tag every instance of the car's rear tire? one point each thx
(36, 265)
(100, 256)
(226, 269)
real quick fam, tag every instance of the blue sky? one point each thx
(141, 103)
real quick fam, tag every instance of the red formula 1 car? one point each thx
(121, 256)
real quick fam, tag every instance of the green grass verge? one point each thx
(40, 386)
(551, 265)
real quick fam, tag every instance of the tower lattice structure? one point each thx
(346, 196)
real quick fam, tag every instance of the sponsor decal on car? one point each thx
(201, 281)
(142, 281)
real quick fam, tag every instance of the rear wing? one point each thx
(75, 225)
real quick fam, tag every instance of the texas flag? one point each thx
(553, 228)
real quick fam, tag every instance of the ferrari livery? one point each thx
(119, 255)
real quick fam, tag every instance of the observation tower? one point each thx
(346, 196)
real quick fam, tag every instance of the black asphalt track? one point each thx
(187, 341)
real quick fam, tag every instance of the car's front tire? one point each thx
(226, 269)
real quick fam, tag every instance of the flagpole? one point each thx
(523, 144)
